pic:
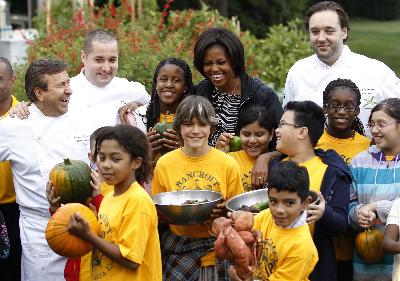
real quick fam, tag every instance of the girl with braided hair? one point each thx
(172, 82)
(343, 133)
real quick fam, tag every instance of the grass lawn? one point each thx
(377, 39)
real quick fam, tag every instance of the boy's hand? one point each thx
(218, 211)
(78, 226)
(95, 183)
(366, 215)
(223, 142)
(52, 198)
(21, 110)
(316, 211)
(171, 140)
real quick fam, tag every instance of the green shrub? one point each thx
(147, 42)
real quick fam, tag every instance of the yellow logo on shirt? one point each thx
(198, 180)
(268, 259)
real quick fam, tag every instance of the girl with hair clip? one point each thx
(343, 133)
(376, 184)
(196, 165)
(172, 82)
(219, 57)
(128, 246)
(255, 127)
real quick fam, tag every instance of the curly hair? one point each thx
(357, 125)
(153, 110)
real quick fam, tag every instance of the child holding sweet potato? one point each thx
(286, 250)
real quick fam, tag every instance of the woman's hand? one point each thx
(259, 173)
(95, 183)
(21, 110)
(171, 140)
(366, 215)
(78, 226)
(223, 142)
(316, 211)
(52, 197)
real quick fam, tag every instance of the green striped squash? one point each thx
(71, 180)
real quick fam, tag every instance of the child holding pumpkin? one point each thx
(194, 166)
(128, 245)
(256, 126)
(375, 187)
(172, 82)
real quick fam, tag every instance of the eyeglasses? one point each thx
(283, 123)
(336, 107)
(381, 125)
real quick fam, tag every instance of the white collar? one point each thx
(301, 220)
(343, 58)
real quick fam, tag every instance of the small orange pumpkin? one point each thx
(58, 237)
(369, 245)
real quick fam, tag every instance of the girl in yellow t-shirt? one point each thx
(127, 247)
(344, 133)
(256, 126)
(194, 166)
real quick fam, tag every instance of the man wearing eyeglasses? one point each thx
(328, 25)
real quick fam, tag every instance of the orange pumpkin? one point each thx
(58, 237)
(369, 245)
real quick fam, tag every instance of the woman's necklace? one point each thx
(234, 89)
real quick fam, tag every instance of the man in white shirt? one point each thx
(33, 146)
(98, 93)
(328, 25)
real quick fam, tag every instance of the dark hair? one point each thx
(345, 84)
(195, 107)
(288, 176)
(222, 37)
(263, 116)
(99, 35)
(8, 66)
(153, 110)
(390, 106)
(328, 6)
(308, 114)
(134, 141)
(34, 76)
(96, 133)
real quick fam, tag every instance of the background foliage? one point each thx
(149, 40)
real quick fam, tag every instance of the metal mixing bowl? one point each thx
(247, 198)
(170, 206)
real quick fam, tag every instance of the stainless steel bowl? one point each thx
(247, 198)
(170, 206)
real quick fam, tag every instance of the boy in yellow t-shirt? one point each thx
(11, 267)
(297, 134)
(287, 249)
(195, 166)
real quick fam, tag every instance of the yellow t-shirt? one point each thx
(213, 171)
(316, 170)
(287, 254)
(346, 148)
(105, 188)
(246, 164)
(129, 221)
(7, 191)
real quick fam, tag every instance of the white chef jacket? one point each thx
(101, 104)
(308, 78)
(33, 146)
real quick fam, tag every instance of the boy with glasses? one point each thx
(297, 134)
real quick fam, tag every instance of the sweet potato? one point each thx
(242, 254)
(221, 250)
(247, 237)
(219, 224)
(243, 220)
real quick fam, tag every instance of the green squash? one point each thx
(71, 180)
(161, 128)
(235, 144)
